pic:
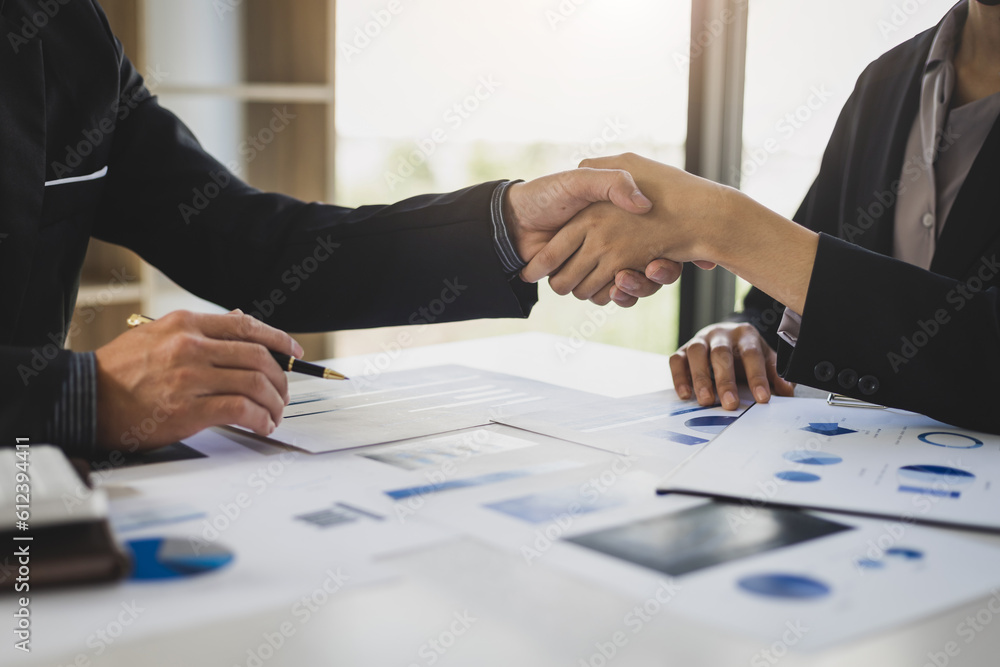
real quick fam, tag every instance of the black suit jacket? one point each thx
(72, 104)
(876, 328)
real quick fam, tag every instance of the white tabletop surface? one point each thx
(525, 615)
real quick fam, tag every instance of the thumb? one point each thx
(614, 185)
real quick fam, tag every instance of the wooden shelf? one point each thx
(91, 296)
(283, 54)
(257, 92)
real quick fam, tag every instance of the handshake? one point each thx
(616, 229)
(645, 221)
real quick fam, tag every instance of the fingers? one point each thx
(780, 385)
(758, 368)
(701, 371)
(663, 271)
(248, 357)
(562, 246)
(236, 326)
(636, 284)
(681, 374)
(235, 410)
(620, 298)
(724, 367)
(614, 185)
(252, 385)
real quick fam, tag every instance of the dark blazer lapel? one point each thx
(974, 221)
(22, 162)
(882, 160)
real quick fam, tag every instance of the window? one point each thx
(435, 97)
(803, 59)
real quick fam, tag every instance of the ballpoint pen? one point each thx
(287, 362)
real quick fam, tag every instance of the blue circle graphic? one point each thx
(870, 564)
(171, 557)
(796, 476)
(966, 441)
(905, 553)
(787, 586)
(709, 424)
(812, 458)
(933, 474)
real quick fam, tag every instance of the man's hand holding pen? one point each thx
(171, 378)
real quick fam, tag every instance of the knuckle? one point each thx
(262, 357)
(559, 285)
(722, 355)
(697, 346)
(181, 347)
(182, 319)
(258, 383)
(239, 409)
(600, 299)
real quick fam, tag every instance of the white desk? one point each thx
(525, 615)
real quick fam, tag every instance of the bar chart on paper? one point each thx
(323, 416)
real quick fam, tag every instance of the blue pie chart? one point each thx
(934, 474)
(797, 476)
(172, 558)
(812, 458)
(786, 586)
(905, 553)
(714, 424)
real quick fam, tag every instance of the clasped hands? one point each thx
(626, 245)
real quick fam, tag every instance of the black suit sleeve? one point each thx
(300, 266)
(934, 349)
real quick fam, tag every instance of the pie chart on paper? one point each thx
(710, 424)
(172, 558)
